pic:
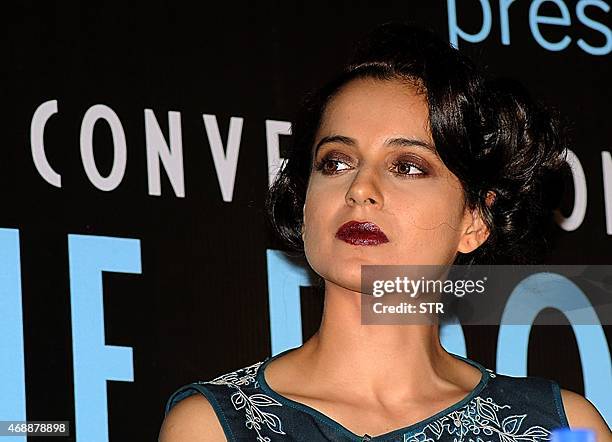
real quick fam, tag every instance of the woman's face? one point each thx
(361, 174)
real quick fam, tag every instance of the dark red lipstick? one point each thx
(362, 233)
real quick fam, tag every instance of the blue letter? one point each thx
(95, 362)
(452, 338)
(534, 19)
(454, 31)
(564, 295)
(284, 281)
(12, 381)
(602, 50)
(503, 20)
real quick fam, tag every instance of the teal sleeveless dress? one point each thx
(500, 409)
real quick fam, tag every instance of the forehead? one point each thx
(370, 108)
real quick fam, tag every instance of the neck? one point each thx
(345, 352)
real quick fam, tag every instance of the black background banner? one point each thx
(199, 305)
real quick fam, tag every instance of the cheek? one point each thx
(322, 201)
(316, 248)
(313, 210)
(317, 220)
(432, 210)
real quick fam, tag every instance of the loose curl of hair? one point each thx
(489, 132)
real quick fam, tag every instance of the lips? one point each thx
(363, 233)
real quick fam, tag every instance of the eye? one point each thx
(329, 165)
(407, 168)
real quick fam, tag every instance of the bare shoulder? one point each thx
(581, 413)
(192, 420)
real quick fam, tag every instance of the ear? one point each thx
(475, 230)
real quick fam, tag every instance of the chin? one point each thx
(364, 255)
(369, 251)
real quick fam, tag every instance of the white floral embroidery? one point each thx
(491, 372)
(252, 404)
(478, 421)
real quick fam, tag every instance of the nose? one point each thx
(364, 191)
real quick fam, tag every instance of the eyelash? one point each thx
(319, 166)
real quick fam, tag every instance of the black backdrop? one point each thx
(199, 306)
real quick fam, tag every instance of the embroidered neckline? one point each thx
(486, 374)
(478, 420)
(253, 404)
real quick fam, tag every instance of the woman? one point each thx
(410, 156)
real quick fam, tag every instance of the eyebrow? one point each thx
(390, 142)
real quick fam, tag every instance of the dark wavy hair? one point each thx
(489, 132)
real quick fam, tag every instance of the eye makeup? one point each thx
(402, 165)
